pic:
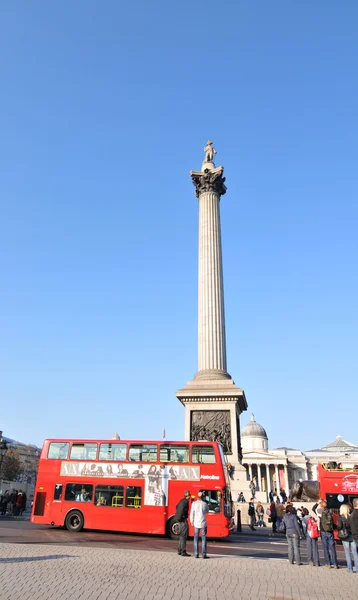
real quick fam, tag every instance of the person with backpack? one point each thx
(329, 547)
(346, 537)
(251, 513)
(311, 531)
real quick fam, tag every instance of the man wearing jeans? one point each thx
(198, 512)
(181, 515)
(329, 547)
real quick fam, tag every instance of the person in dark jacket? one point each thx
(181, 516)
(345, 534)
(353, 521)
(293, 535)
(326, 528)
(251, 513)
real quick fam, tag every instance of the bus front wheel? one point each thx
(173, 529)
(74, 521)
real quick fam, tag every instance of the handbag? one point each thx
(282, 528)
(269, 520)
(343, 533)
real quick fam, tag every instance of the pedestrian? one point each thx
(230, 470)
(326, 527)
(353, 521)
(280, 511)
(23, 503)
(5, 501)
(283, 496)
(181, 516)
(271, 496)
(18, 504)
(260, 511)
(198, 512)
(271, 512)
(241, 497)
(311, 532)
(346, 537)
(252, 487)
(293, 535)
(251, 513)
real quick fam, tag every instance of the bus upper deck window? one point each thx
(113, 451)
(58, 450)
(174, 453)
(203, 455)
(84, 451)
(143, 452)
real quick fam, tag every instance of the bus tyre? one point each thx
(74, 521)
(173, 529)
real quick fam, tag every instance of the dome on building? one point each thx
(253, 429)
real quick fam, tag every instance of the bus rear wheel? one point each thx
(74, 521)
(173, 529)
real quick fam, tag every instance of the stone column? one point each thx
(277, 479)
(268, 481)
(259, 477)
(250, 472)
(210, 187)
(287, 490)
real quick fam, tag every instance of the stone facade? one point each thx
(277, 468)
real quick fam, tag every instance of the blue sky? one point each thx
(104, 110)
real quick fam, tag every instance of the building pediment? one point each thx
(264, 456)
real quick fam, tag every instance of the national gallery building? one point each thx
(282, 467)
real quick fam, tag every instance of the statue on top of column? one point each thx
(209, 151)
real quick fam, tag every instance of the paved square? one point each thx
(53, 572)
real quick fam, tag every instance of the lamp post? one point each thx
(3, 450)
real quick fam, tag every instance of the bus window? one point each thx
(116, 452)
(212, 498)
(83, 452)
(58, 450)
(203, 454)
(172, 453)
(143, 452)
(134, 496)
(58, 492)
(109, 495)
(77, 492)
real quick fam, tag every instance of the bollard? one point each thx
(238, 514)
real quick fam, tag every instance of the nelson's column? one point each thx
(212, 401)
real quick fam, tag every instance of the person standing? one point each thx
(198, 512)
(312, 535)
(280, 511)
(271, 512)
(241, 497)
(353, 521)
(252, 487)
(251, 513)
(260, 511)
(326, 527)
(181, 516)
(293, 535)
(345, 535)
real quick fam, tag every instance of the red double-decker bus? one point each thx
(337, 486)
(129, 486)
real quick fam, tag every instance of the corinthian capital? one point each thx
(209, 180)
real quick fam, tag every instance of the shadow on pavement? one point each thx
(35, 558)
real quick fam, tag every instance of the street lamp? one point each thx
(3, 450)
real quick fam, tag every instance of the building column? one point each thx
(287, 490)
(250, 472)
(259, 477)
(268, 484)
(277, 480)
